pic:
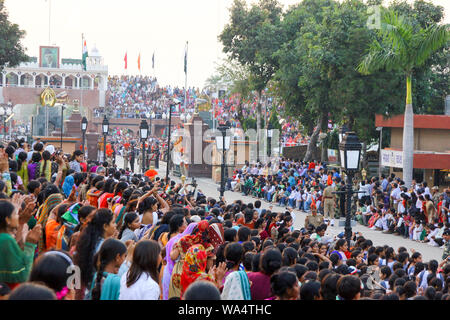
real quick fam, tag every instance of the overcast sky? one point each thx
(135, 26)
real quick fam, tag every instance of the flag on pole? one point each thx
(85, 53)
(126, 60)
(153, 61)
(139, 62)
(185, 58)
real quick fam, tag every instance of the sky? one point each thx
(117, 27)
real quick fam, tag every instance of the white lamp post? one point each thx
(223, 144)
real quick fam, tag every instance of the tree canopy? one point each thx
(309, 54)
(12, 53)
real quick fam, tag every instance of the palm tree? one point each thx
(402, 49)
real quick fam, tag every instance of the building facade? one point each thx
(431, 147)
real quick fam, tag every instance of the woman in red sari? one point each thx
(209, 236)
(194, 269)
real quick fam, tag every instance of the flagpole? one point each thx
(81, 80)
(49, 20)
(185, 80)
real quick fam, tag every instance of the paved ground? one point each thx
(211, 189)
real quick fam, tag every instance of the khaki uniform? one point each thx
(125, 158)
(328, 202)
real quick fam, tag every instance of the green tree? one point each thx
(403, 48)
(431, 81)
(251, 38)
(12, 53)
(237, 77)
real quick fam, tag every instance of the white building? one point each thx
(69, 75)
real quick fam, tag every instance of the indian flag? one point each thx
(85, 54)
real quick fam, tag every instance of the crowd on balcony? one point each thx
(143, 97)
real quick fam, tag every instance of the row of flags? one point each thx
(85, 55)
(125, 59)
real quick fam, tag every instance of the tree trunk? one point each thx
(408, 136)
(324, 153)
(258, 127)
(324, 128)
(239, 113)
(312, 146)
(364, 155)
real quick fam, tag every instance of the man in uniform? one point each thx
(125, 155)
(313, 218)
(329, 202)
(132, 157)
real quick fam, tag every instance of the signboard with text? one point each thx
(392, 158)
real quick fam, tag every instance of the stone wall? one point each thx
(22, 95)
(298, 152)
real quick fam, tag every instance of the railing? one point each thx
(134, 116)
(15, 85)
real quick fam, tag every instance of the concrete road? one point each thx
(208, 187)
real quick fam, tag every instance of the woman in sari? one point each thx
(210, 236)
(45, 166)
(42, 216)
(23, 167)
(194, 267)
(236, 287)
(168, 268)
(33, 167)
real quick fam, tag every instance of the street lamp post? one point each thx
(269, 138)
(105, 128)
(157, 155)
(62, 124)
(143, 132)
(350, 151)
(152, 116)
(379, 150)
(175, 102)
(223, 143)
(84, 123)
(2, 114)
(280, 122)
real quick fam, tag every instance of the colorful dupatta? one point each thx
(168, 268)
(236, 287)
(23, 173)
(198, 236)
(44, 211)
(194, 267)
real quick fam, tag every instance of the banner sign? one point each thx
(392, 158)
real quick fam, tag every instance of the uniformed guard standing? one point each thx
(132, 157)
(329, 202)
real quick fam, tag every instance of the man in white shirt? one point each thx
(298, 200)
(292, 198)
(427, 189)
(431, 235)
(395, 195)
(270, 192)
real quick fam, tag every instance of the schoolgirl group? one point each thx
(136, 238)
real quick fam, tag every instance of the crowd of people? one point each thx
(385, 204)
(134, 237)
(142, 97)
